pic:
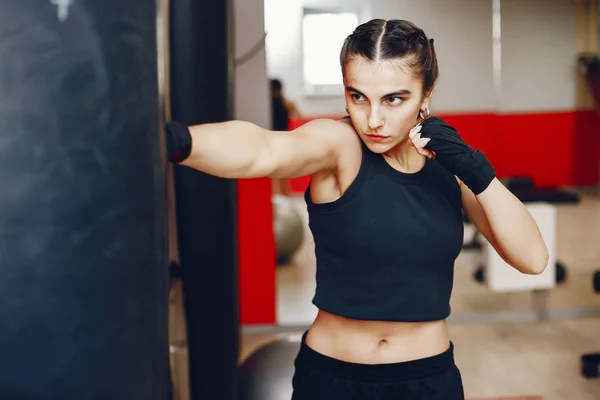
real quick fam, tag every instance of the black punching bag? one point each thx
(201, 67)
(83, 250)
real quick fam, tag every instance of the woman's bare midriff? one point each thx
(376, 342)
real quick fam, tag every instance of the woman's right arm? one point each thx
(239, 149)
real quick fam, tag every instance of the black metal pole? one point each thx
(201, 69)
(83, 250)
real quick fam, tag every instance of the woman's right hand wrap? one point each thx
(469, 165)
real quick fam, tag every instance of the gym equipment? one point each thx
(267, 373)
(83, 266)
(559, 270)
(590, 365)
(591, 67)
(518, 183)
(590, 73)
(547, 195)
(597, 281)
(525, 190)
(201, 66)
(500, 277)
(288, 226)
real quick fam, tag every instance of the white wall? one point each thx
(462, 30)
(462, 33)
(539, 46)
(539, 55)
(252, 94)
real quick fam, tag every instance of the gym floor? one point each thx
(501, 348)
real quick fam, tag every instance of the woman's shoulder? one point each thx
(330, 124)
(341, 131)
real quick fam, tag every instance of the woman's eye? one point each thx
(357, 97)
(394, 100)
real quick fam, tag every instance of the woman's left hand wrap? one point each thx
(449, 149)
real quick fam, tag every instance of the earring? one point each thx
(426, 111)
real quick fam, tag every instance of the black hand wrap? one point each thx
(469, 165)
(179, 142)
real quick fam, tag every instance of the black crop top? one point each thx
(386, 249)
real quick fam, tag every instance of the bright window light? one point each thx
(322, 36)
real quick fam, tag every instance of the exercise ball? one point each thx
(267, 373)
(288, 226)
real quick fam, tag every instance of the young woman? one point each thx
(388, 188)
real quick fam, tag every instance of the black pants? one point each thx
(319, 377)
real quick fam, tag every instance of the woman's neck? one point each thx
(405, 158)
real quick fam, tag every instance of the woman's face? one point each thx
(384, 99)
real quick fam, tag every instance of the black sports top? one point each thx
(386, 249)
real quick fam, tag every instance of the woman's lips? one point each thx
(377, 138)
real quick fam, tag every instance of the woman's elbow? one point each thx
(537, 262)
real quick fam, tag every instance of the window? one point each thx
(323, 34)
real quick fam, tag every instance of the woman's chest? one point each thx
(411, 222)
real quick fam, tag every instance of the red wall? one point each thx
(555, 149)
(256, 246)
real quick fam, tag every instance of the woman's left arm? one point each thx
(509, 227)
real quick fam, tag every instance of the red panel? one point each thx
(256, 251)
(554, 149)
(539, 146)
(479, 131)
(299, 185)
